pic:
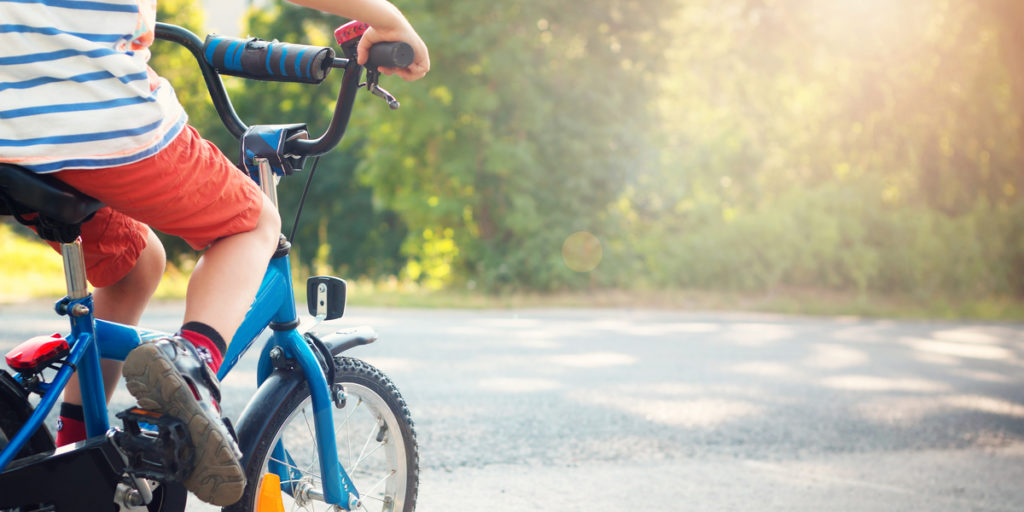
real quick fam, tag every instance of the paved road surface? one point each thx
(604, 410)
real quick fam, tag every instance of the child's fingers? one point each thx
(413, 72)
(362, 53)
(420, 65)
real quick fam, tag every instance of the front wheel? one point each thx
(374, 438)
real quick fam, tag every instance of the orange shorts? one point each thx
(189, 189)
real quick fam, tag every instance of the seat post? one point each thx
(74, 269)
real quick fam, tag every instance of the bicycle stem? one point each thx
(268, 183)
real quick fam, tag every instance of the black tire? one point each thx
(15, 410)
(372, 400)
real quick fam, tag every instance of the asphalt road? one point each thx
(610, 410)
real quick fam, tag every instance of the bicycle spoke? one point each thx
(360, 458)
(296, 468)
(348, 429)
(348, 435)
(312, 436)
(366, 493)
(353, 411)
(377, 474)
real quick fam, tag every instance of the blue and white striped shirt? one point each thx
(75, 88)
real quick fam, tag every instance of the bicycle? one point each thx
(308, 394)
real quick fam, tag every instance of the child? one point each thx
(77, 99)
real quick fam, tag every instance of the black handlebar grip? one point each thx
(390, 55)
(268, 60)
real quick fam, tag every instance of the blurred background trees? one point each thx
(752, 145)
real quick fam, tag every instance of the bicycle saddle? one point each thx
(61, 208)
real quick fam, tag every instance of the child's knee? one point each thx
(152, 261)
(269, 223)
(146, 271)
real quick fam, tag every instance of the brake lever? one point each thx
(371, 84)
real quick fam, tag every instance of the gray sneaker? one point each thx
(168, 376)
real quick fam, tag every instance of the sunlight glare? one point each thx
(958, 349)
(592, 360)
(698, 413)
(873, 383)
(763, 369)
(756, 335)
(834, 357)
(516, 385)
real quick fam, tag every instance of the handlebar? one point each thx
(272, 60)
(286, 62)
(390, 55)
(221, 102)
(268, 60)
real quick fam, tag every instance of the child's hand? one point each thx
(421, 61)
(387, 24)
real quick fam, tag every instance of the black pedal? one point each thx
(165, 454)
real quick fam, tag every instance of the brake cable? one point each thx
(302, 200)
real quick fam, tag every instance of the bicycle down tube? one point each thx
(274, 305)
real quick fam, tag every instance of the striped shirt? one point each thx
(75, 88)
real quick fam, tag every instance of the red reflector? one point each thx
(38, 352)
(350, 31)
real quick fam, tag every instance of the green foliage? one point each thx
(523, 133)
(800, 92)
(30, 267)
(835, 237)
(341, 228)
(840, 145)
(748, 145)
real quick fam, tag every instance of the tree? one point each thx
(529, 125)
(341, 227)
(835, 144)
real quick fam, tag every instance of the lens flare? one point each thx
(582, 251)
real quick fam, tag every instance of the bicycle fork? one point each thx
(276, 299)
(338, 488)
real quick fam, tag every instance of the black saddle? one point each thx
(52, 207)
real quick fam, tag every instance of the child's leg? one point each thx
(177, 378)
(189, 189)
(122, 300)
(227, 277)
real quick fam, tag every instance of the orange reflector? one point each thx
(269, 497)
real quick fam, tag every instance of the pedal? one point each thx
(161, 451)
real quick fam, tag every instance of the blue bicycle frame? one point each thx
(91, 339)
(274, 306)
